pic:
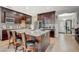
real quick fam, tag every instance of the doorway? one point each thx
(68, 26)
(67, 23)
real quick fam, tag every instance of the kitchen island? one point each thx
(41, 35)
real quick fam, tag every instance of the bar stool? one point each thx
(17, 41)
(9, 38)
(23, 42)
(13, 37)
(28, 45)
(31, 44)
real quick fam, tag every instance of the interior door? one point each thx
(69, 26)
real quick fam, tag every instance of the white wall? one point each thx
(34, 18)
(0, 26)
(78, 20)
(70, 11)
(0, 15)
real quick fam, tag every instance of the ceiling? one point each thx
(33, 10)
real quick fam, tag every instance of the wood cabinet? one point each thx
(48, 18)
(18, 16)
(52, 33)
(6, 13)
(15, 15)
(77, 35)
(4, 35)
(47, 15)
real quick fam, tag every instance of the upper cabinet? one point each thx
(47, 20)
(6, 14)
(47, 16)
(16, 17)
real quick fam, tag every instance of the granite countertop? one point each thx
(38, 32)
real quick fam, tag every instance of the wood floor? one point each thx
(65, 43)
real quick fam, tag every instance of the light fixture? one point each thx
(66, 14)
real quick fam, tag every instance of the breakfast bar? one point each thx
(41, 35)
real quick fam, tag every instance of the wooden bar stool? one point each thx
(9, 38)
(28, 46)
(23, 42)
(17, 41)
(12, 37)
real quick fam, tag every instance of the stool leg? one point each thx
(8, 32)
(8, 44)
(16, 49)
(23, 50)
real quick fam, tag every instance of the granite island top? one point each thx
(37, 32)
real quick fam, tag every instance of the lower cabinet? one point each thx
(77, 35)
(52, 33)
(4, 35)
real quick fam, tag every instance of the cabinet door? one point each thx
(17, 18)
(4, 35)
(52, 34)
(3, 15)
(6, 13)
